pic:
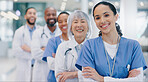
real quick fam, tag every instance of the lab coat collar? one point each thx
(74, 43)
(30, 28)
(50, 31)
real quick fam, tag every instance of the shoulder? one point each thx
(129, 41)
(66, 44)
(93, 41)
(19, 30)
(39, 30)
(38, 26)
(54, 39)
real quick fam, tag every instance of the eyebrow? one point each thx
(82, 19)
(103, 14)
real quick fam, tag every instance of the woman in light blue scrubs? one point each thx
(52, 45)
(110, 57)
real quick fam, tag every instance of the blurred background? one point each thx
(133, 19)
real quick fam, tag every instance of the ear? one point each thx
(116, 17)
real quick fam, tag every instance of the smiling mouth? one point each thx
(51, 20)
(32, 19)
(104, 26)
(79, 30)
(64, 27)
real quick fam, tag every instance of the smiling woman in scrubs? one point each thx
(110, 57)
(79, 29)
(53, 44)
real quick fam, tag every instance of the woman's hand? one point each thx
(53, 55)
(89, 72)
(67, 75)
(133, 73)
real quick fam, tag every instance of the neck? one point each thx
(64, 36)
(79, 40)
(52, 29)
(31, 26)
(111, 38)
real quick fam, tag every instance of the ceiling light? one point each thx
(15, 0)
(90, 3)
(116, 3)
(141, 3)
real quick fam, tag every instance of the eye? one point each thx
(29, 12)
(75, 21)
(34, 13)
(53, 14)
(97, 18)
(59, 21)
(106, 15)
(83, 21)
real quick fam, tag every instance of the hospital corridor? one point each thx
(37, 35)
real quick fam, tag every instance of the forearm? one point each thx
(37, 53)
(51, 63)
(137, 78)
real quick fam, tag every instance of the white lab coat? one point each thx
(23, 70)
(41, 70)
(60, 60)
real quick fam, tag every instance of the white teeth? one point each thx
(32, 18)
(104, 26)
(51, 20)
(64, 27)
(79, 30)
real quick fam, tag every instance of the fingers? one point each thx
(87, 74)
(134, 73)
(88, 69)
(58, 74)
(63, 77)
(60, 78)
(53, 55)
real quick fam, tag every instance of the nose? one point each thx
(102, 20)
(79, 24)
(64, 23)
(51, 16)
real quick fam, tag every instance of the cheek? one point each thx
(97, 23)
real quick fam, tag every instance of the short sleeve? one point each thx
(137, 57)
(50, 48)
(85, 57)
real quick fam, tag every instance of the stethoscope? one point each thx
(65, 59)
(43, 34)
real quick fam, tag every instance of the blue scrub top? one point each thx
(93, 55)
(51, 47)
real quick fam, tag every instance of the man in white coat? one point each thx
(22, 45)
(39, 42)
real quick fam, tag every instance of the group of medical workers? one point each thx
(68, 53)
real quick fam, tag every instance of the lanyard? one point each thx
(111, 71)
